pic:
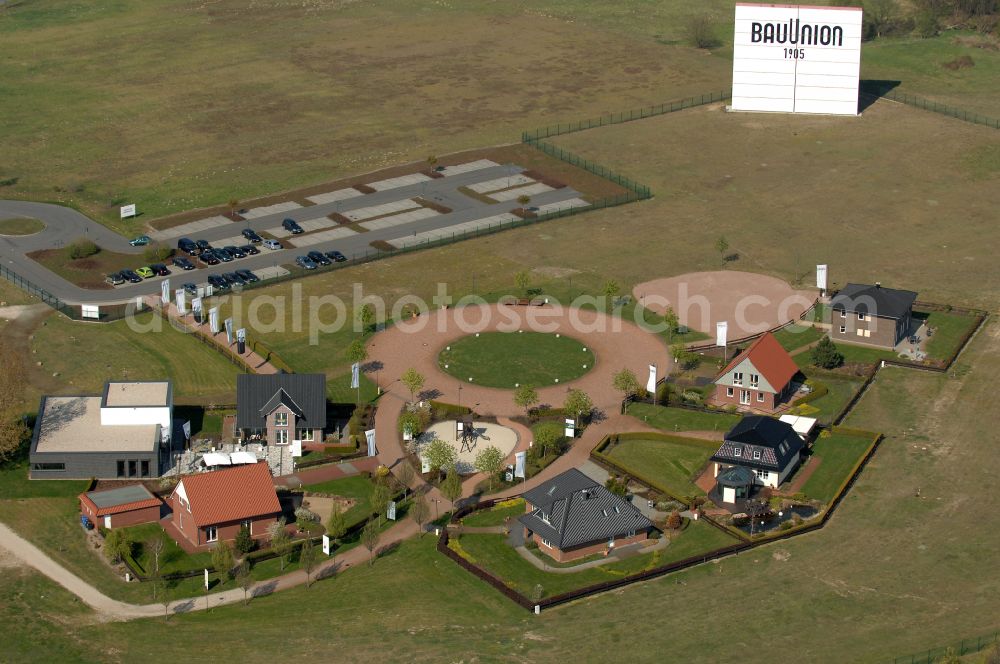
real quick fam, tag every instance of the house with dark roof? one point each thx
(212, 507)
(279, 408)
(768, 448)
(124, 506)
(871, 314)
(571, 516)
(759, 378)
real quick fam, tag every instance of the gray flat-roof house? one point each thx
(279, 408)
(871, 314)
(572, 516)
(122, 434)
(768, 448)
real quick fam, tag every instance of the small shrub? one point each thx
(961, 62)
(306, 514)
(701, 32)
(825, 354)
(674, 520)
(82, 248)
(244, 542)
(785, 525)
(617, 485)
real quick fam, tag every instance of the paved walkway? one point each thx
(332, 471)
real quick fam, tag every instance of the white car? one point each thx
(272, 244)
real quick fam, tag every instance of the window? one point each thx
(754, 380)
(763, 474)
(843, 313)
(211, 534)
(281, 436)
(737, 378)
(760, 396)
(248, 524)
(121, 469)
(737, 452)
(861, 316)
(843, 329)
(131, 468)
(630, 533)
(729, 391)
(281, 419)
(306, 435)
(547, 543)
(756, 454)
(144, 468)
(48, 466)
(868, 333)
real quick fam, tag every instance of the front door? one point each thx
(745, 397)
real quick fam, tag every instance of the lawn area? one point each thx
(837, 455)
(682, 419)
(672, 462)
(841, 389)
(173, 558)
(339, 390)
(357, 487)
(87, 272)
(505, 359)
(949, 328)
(853, 354)
(797, 336)
(492, 553)
(115, 352)
(496, 515)
(20, 226)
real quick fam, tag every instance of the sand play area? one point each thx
(486, 434)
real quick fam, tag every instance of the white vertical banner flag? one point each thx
(651, 383)
(390, 512)
(821, 277)
(519, 464)
(228, 323)
(165, 292)
(370, 437)
(326, 544)
(721, 331)
(425, 465)
(196, 308)
(213, 320)
(181, 299)
(355, 377)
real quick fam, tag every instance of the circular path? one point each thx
(750, 303)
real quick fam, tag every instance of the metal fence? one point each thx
(627, 116)
(928, 105)
(964, 647)
(639, 191)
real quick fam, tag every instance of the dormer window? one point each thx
(737, 378)
(861, 316)
(737, 452)
(756, 454)
(843, 313)
(281, 419)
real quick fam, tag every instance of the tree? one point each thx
(522, 280)
(489, 460)
(526, 396)
(281, 543)
(577, 404)
(452, 485)
(366, 316)
(880, 17)
(722, 246)
(369, 540)
(547, 436)
(307, 559)
(420, 512)
(357, 352)
(233, 204)
(825, 354)
(672, 322)
(379, 500)
(413, 381)
(13, 433)
(337, 525)
(611, 290)
(244, 541)
(674, 520)
(523, 199)
(432, 161)
(405, 475)
(154, 549)
(625, 382)
(117, 545)
(410, 422)
(81, 248)
(244, 580)
(439, 455)
(222, 558)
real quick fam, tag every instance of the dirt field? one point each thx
(751, 303)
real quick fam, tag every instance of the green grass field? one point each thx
(357, 487)
(841, 389)
(837, 456)
(949, 329)
(495, 516)
(20, 226)
(797, 336)
(503, 359)
(682, 419)
(671, 463)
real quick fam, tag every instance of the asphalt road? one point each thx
(65, 225)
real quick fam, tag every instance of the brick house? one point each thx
(279, 408)
(768, 448)
(759, 378)
(212, 507)
(124, 506)
(871, 315)
(571, 516)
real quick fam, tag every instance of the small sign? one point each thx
(508, 476)
(326, 544)
(390, 513)
(128, 211)
(296, 448)
(570, 430)
(425, 465)
(206, 578)
(90, 311)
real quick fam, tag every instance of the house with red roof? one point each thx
(212, 507)
(759, 378)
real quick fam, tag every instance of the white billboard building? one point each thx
(797, 59)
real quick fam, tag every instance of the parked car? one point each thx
(336, 256)
(248, 276)
(232, 278)
(235, 252)
(318, 258)
(305, 262)
(190, 289)
(183, 263)
(145, 273)
(223, 255)
(188, 246)
(292, 226)
(203, 245)
(140, 241)
(273, 245)
(249, 250)
(251, 235)
(160, 270)
(217, 282)
(115, 279)
(209, 257)
(131, 276)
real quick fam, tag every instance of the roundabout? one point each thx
(510, 359)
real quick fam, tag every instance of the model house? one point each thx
(572, 516)
(122, 434)
(767, 450)
(759, 378)
(125, 506)
(279, 408)
(871, 315)
(212, 507)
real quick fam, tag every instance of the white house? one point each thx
(769, 448)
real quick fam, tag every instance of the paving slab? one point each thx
(562, 205)
(467, 167)
(333, 196)
(402, 181)
(270, 209)
(399, 219)
(456, 229)
(323, 236)
(497, 184)
(379, 210)
(316, 224)
(190, 228)
(529, 190)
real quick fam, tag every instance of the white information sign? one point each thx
(90, 311)
(326, 544)
(796, 59)
(128, 211)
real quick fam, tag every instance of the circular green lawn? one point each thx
(20, 226)
(504, 359)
